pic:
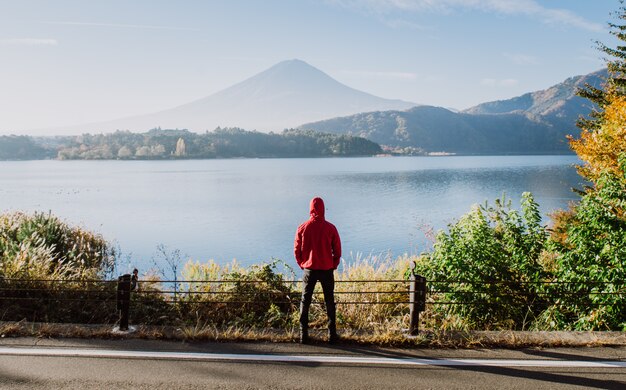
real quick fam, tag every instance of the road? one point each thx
(136, 364)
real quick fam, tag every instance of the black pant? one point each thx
(309, 279)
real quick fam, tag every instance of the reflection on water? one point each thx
(249, 209)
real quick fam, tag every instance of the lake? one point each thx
(248, 209)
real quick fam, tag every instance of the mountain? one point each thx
(436, 129)
(557, 102)
(283, 96)
(533, 123)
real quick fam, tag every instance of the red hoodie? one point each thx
(317, 244)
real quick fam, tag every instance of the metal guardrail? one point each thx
(417, 293)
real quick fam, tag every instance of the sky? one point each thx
(68, 62)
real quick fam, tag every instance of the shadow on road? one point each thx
(547, 377)
(7, 379)
(564, 355)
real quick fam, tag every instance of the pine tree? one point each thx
(616, 64)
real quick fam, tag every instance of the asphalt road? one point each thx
(55, 364)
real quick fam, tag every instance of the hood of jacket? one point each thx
(317, 209)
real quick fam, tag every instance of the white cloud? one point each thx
(521, 59)
(28, 42)
(406, 76)
(382, 6)
(499, 83)
(530, 8)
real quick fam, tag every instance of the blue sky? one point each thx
(67, 62)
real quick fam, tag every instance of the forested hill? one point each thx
(436, 129)
(21, 147)
(533, 123)
(181, 144)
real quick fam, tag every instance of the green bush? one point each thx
(591, 259)
(490, 259)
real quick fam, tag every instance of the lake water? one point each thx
(249, 209)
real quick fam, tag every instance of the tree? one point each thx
(590, 239)
(125, 152)
(601, 148)
(616, 64)
(143, 151)
(591, 260)
(14, 147)
(180, 148)
(157, 150)
(227, 142)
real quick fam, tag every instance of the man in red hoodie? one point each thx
(317, 248)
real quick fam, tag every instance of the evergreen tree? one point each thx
(616, 64)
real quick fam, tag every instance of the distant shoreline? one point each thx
(384, 155)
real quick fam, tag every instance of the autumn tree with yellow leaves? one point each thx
(602, 148)
(589, 241)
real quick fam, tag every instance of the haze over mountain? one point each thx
(283, 96)
(533, 123)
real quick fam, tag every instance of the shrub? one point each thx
(41, 246)
(259, 296)
(37, 249)
(490, 259)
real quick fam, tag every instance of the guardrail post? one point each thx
(123, 299)
(417, 299)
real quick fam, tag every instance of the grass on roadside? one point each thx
(426, 339)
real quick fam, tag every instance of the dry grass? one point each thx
(42, 246)
(388, 338)
(11, 330)
(380, 316)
